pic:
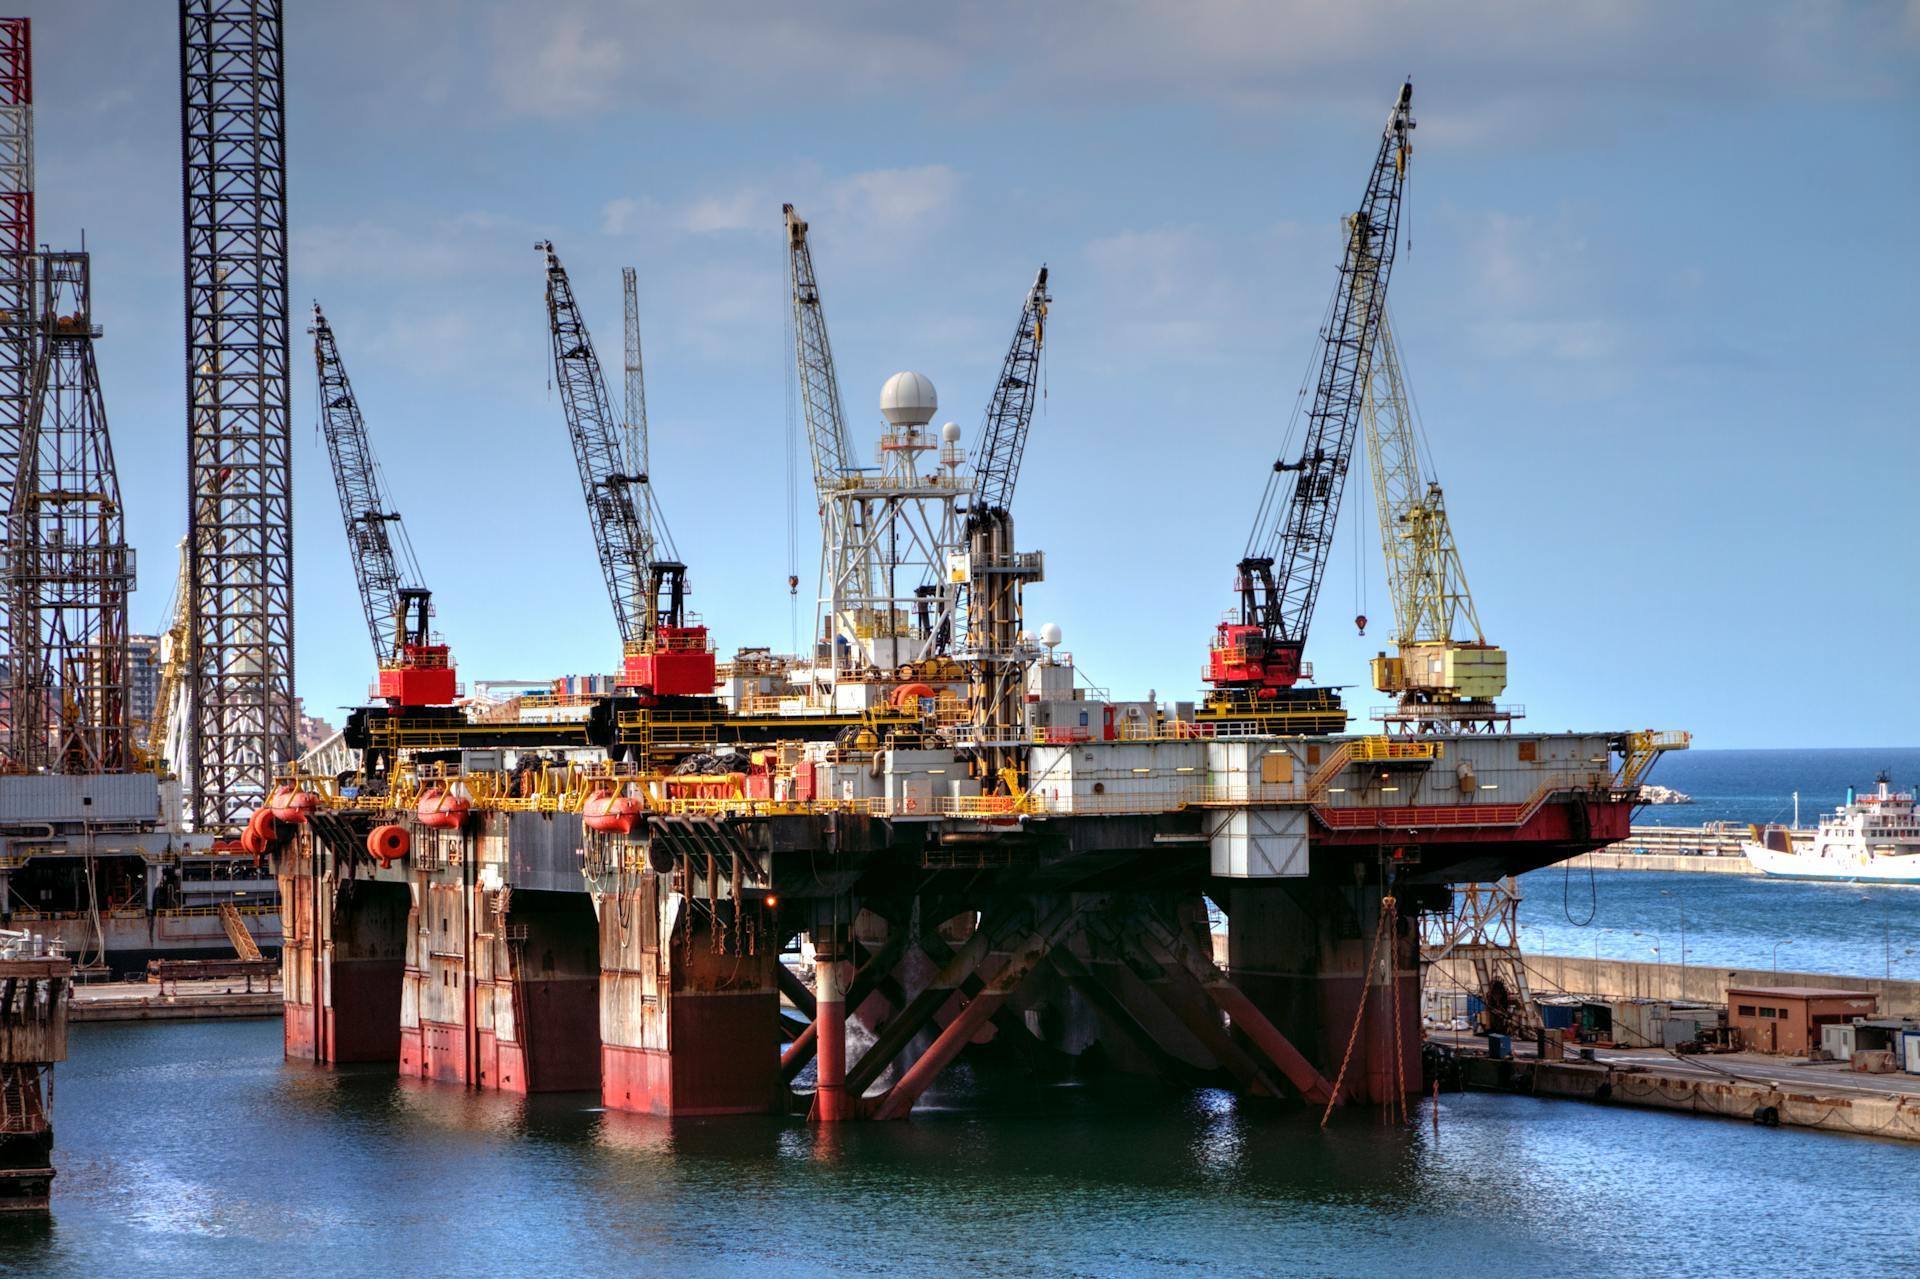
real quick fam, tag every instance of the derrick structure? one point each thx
(70, 568)
(239, 478)
(1443, 680)
(1255, 660)
(666, 652)
(414, 671)
(887, 598)
(16, 313)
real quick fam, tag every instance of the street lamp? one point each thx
(1683, 923)
(1776, 956)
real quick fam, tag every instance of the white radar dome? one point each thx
(950, 433)
(908, 400)
(1050, 634)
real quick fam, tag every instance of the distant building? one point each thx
(143, 682)
(309, 730)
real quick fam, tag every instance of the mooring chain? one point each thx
(1360, 1011)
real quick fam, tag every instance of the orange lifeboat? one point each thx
(261, 827)
(293, 806)
(908, 694)
(388, 844)
(611, 814)
(441, 809)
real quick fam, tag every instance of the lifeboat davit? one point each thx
(441, 809)
(388, 844)
(293, 806)
(611, 814)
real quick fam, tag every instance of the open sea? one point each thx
(1758, 786)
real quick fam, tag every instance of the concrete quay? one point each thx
(1695, 983)
(1772, 1091)
(181, 1001)
(1615, 859)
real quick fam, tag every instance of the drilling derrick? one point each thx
(239, 478)
(1443, 682)
(70, 567)
(16, 312)
(1255, 661)
(414, 671)
(887, 598)
(666, 651)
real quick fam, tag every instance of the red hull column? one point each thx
(831, 1104)
(689, 1005)
(342, 958)
(1292, 951)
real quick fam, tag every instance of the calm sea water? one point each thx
(1738, 921)
(1728, 921)
(1758, 786)
(192, 1149)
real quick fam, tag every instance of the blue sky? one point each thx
(1654, 310)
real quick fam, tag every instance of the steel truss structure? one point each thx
(69, 567)
(16, 312)
(239, 481)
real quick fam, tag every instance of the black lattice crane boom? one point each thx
(1258, 655)
(414, 671)
(666, 651)
(1003, 436)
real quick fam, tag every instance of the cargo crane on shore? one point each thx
(1255, 664)
(666, 652)
(413, 669)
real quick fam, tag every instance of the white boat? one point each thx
(1872, 837)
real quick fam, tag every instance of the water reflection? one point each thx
(245, 1165)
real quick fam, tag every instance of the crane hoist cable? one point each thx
(1279, 577)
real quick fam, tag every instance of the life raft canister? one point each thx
(441, 809)
(388, 844)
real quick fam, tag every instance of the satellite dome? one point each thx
(950, 433)
(908, 400)
(1050, 634)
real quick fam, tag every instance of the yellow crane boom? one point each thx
(1442, 668)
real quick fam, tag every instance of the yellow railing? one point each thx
(1646, 746)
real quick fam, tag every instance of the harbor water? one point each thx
(193, 1149)
(1725, 921)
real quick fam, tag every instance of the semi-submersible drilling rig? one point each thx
(975, 848)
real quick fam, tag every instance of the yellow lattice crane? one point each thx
(173, 669)
(1443, 671)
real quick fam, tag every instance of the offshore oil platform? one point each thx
(971, 847)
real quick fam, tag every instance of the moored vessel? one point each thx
(1874, 837)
